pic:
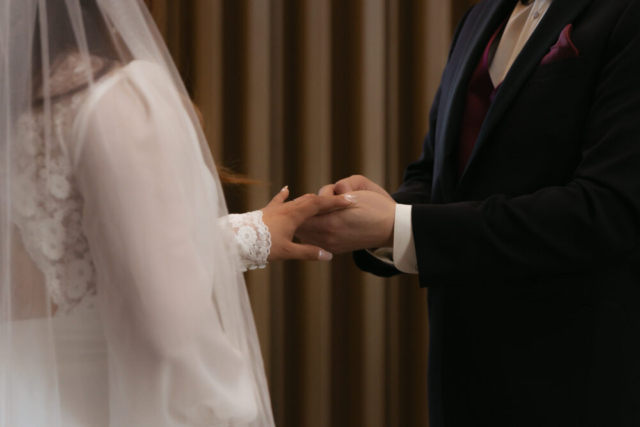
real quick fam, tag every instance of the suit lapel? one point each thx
(470, 45)
(560, 14)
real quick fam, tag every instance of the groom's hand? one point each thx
(283, 218)
(351, 184)
(367, 223)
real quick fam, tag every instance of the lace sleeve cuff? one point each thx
(253, 239)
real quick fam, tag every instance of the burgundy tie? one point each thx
(480, 94)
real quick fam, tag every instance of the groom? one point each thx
(522, 218)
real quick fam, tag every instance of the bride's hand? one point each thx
(283, 219)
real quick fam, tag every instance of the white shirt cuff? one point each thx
(403, 253)
(404, 248)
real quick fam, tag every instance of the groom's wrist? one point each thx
(391, 224)
(389, 242)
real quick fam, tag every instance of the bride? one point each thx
(122, 301)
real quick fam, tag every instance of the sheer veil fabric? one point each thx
(122, 303)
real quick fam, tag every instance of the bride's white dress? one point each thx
(122, 252)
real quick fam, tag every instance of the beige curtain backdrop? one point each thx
(305, 92)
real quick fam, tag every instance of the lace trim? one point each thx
(253, 239)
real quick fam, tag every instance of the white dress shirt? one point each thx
(521, 25)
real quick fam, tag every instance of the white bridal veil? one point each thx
(121, 301)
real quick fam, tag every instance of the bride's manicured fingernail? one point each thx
(350, 197)
(286, 187)
(325, 256)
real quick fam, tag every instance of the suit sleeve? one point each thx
(592, 220)
(416, 187)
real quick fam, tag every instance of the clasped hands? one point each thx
(367, 223)
(353, 214)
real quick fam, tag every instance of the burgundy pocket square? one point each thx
(563, 49)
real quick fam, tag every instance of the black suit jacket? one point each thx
(531, 260)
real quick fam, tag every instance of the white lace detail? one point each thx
(253, 238)
(48, 207)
